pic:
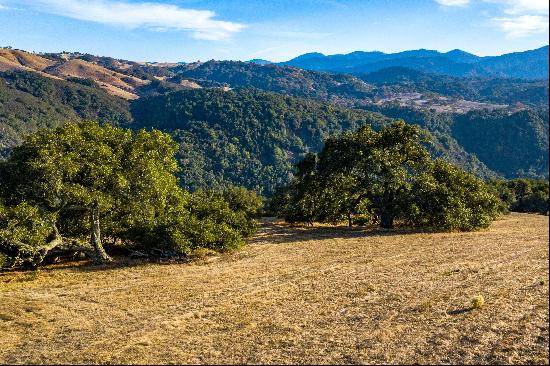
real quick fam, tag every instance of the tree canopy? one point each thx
(105, 184)
(383, 177)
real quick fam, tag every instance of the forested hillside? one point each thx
(245, 137)
(511, 144)
(280, 79)
(29, 101)
(515, 145)
(252, 138)
(493, 90)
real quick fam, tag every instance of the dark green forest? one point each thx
(179, 169)
(29, 101)
(244, 137)
(252, 138)
(510, 144)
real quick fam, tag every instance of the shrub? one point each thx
(478, 302)
(523, 195)
(243, 200)
(24, 231)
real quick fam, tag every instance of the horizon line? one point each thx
(275, 62)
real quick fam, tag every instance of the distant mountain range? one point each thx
(531, 64)
(496, 126)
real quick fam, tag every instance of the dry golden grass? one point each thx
(296, 295)
(113, 82)
(15, 59)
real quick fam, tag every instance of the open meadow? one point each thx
(296, 295)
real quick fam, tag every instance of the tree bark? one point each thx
(386, 220)
(387, 209)
(350, 224)
(95, 237)
(60, 244)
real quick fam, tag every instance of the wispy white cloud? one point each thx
(458, 3)
(155, 16)
(267, 51)
(523, 25)
(301, 35)
(516, 18)
(522, 18)
(539, 7)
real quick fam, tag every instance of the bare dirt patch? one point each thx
(296, 295)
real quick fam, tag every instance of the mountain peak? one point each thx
(259, 61)
(461, 56)
(532, 64)
(309, 55)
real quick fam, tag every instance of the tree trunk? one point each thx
(386, 220)
(61, 245)
(387, 210)
(350, 224)
(95, 237)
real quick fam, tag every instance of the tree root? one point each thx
(59, 244)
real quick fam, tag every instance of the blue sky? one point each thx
(277, 30)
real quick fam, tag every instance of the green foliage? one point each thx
(211, 208)
(24, 229)
(65, 179)
(244, 137)
(296, 202)
(523, 195)
(29, 101)
(449, 198)
(243, 200)
(247, 145)
(515, 145)
(489, 144)
(383, 177)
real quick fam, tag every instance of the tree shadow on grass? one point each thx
(120, 261)
(274, 231)
(271, 231)
(86, 265)
(460, 311)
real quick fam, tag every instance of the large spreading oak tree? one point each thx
(86, 176)
(385, 175)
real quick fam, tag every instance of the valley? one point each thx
(65, 87)
(274, 182)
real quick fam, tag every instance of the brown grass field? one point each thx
(296, 295)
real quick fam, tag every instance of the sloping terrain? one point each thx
(253, 139)
(115, 83)
(296, 295)
(21, 60)
(279, 79)
(29, 101)
(66, 66)
(438, 101)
